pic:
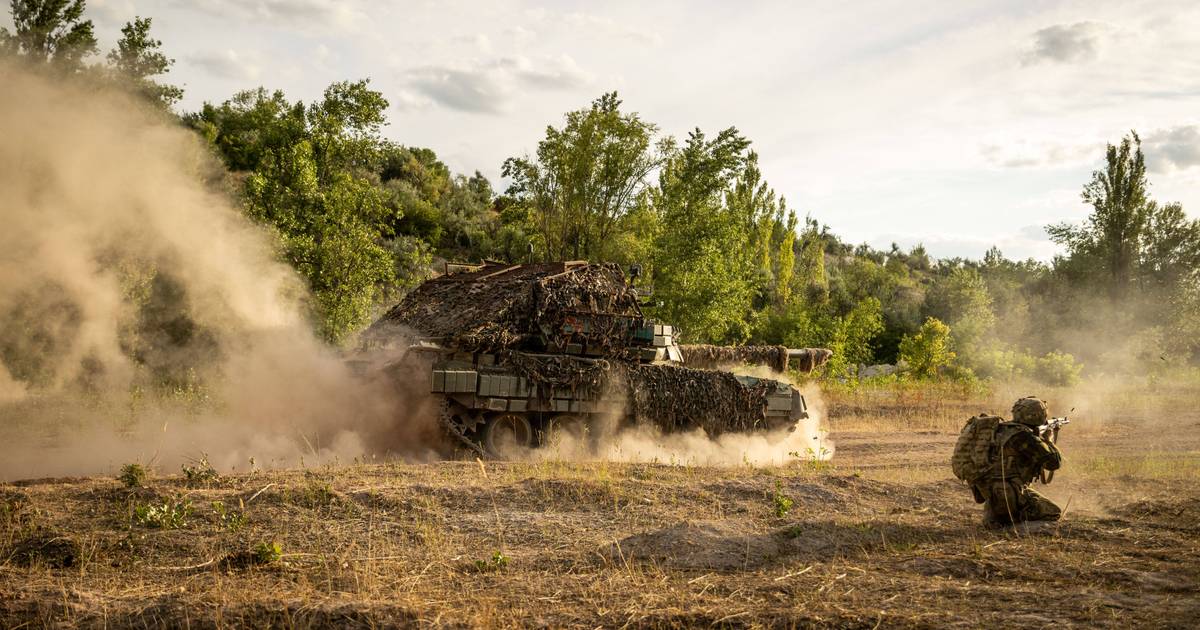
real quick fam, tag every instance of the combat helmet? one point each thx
(1030, 411)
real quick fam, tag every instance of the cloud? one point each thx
(489, 88)
(1176, 148)
(1022, 154)
(227, 64)
(559, 73)
(605, 25)
(1066, 43)
(310, 13)
(477, 90)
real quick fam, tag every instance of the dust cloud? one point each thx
(143, 318)
(807, 441)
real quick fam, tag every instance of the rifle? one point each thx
(1049, 432)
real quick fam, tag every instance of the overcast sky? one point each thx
(957, 124)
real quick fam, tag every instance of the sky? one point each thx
(958, 124)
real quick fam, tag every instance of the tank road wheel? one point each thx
(506, 434)
(565, 427)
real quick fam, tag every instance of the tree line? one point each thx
(363, 219)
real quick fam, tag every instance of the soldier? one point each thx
(1020, 456)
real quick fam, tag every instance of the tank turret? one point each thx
(517, 352)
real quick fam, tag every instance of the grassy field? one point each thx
(880, 536)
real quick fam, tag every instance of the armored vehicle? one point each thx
(519, 352)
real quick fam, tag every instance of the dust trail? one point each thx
(142, 317)
(807, 442)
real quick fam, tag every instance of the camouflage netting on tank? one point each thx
(778, 358)
(563, 372)
(503, 306)
(677, 398)
(670, 397)
(706, 357)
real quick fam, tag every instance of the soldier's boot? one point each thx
(1002, 505)
(1038, 508)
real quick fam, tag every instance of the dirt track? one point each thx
(882, 537)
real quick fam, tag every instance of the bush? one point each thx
(133, 475)
(200, 473)
(927, 351)
(169, 515)
(1058, 368)
(1004, 365)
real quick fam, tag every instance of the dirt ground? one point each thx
(881, 536)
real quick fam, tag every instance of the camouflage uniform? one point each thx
(1005, 490)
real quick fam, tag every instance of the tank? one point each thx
(517, 353)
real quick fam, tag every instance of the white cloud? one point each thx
(489, 87)
(608, 26)
(1172, 149)
(476, 90)
(1067, 43)
(1024, 154)
(557, 73)
(227, 64)
(316, 14)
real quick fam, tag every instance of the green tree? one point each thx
(702, 273)
(1171, 246)
(1111, 237)
(961, 299)
(137, 58)
(313, 179)
(585, 177)
(49, 31)
(928, 350)
(328, 235)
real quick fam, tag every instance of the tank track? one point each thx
(454, 428)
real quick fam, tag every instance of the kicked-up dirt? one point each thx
(881, 536)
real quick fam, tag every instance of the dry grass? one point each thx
(881, 537)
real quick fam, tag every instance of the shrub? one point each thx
(169, 515)
(1058, 368)
(1004, 365)
(200, 473)
(928, 350)
(133, 475)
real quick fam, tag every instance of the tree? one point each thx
(702, 266)
(1111, 236)
(1171, 247)
(961, 299)
(313, 179)
(586, 176)
(137, 58)
(929, 350)
(49, 31)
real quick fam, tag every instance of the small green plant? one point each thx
(200, 473)
(231, 520)
(815, 461)
(261, 554)
(169, 515)
(315, 494)
(133, 475)
(497, 562)
(267, 553)
(782, 502)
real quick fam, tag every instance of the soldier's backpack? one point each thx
(971, 458)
